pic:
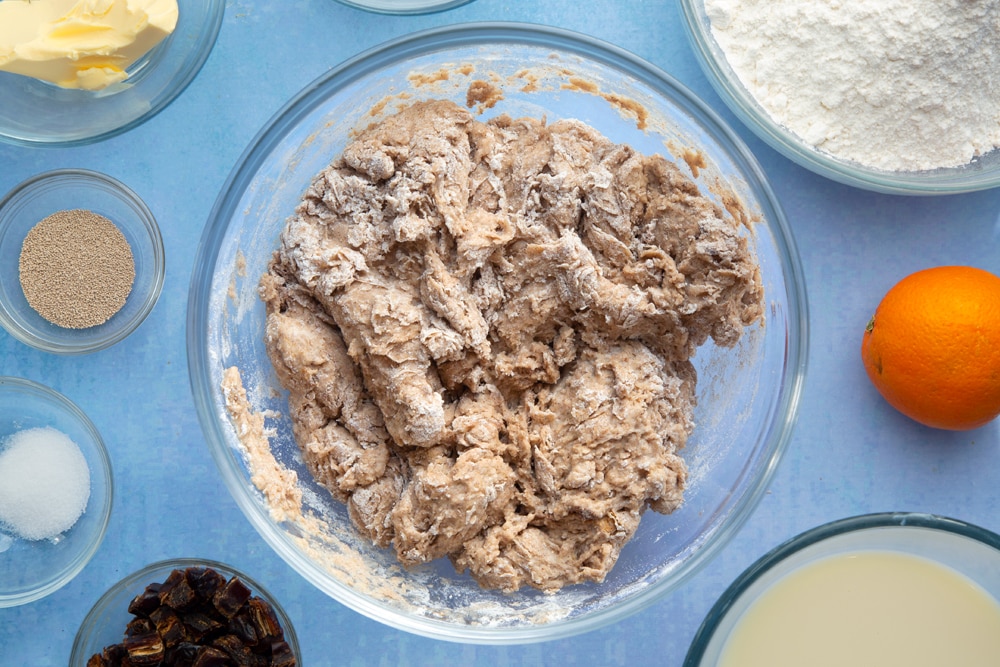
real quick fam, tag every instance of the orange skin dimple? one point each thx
(932, 349)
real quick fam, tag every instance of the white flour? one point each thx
(900, 85)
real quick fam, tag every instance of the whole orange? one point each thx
(932, 349)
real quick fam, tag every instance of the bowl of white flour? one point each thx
(896, 96)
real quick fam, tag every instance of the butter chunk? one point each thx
(86, 44)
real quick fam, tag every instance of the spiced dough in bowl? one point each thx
(486, 331)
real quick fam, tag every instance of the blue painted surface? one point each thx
(850, 453)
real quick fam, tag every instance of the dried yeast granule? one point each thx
(76, 268)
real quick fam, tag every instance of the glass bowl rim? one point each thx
(141, 575)
(463, 34)
(115, 188)
(815, 535)
(743, 105)
(48, 394)
(424, 7)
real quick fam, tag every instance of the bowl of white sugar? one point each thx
(81, 261)
(55, 490)
(896, 96)
(896, 588)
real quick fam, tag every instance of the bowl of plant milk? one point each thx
(880, 589)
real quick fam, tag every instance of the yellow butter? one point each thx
(81, 43)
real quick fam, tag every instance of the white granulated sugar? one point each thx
(44, 483)
(899, 85)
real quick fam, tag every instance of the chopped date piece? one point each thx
(200, 626)
(242, 626)
(177, 593)
(139, 626)
(265, 620)
(282, 655)
(145, 649)
(235, 649)
(182, 655)
(211, 657)
(97, 660)
(144, 603)
(205, 581)
(114, 655)
(168, 625)
(231, 597)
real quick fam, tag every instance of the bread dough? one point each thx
(486, 332)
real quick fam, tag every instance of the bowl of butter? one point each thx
(74, 73)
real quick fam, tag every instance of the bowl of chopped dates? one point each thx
(184, 612)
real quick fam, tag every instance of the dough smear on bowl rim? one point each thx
(486, 331)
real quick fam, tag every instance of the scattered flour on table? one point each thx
(899, 85)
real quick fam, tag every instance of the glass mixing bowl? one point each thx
(37, 113)
(982, 173)
(748, 395)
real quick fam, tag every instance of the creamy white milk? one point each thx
(868, 608)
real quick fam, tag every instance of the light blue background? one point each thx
(850, 453)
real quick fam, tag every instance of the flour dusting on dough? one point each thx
(486, 331)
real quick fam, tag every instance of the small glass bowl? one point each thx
(37, 113)
(981, 173)
(36, 568)
(105, 623)
(961, 547)
(63, 189)
(404, 6)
